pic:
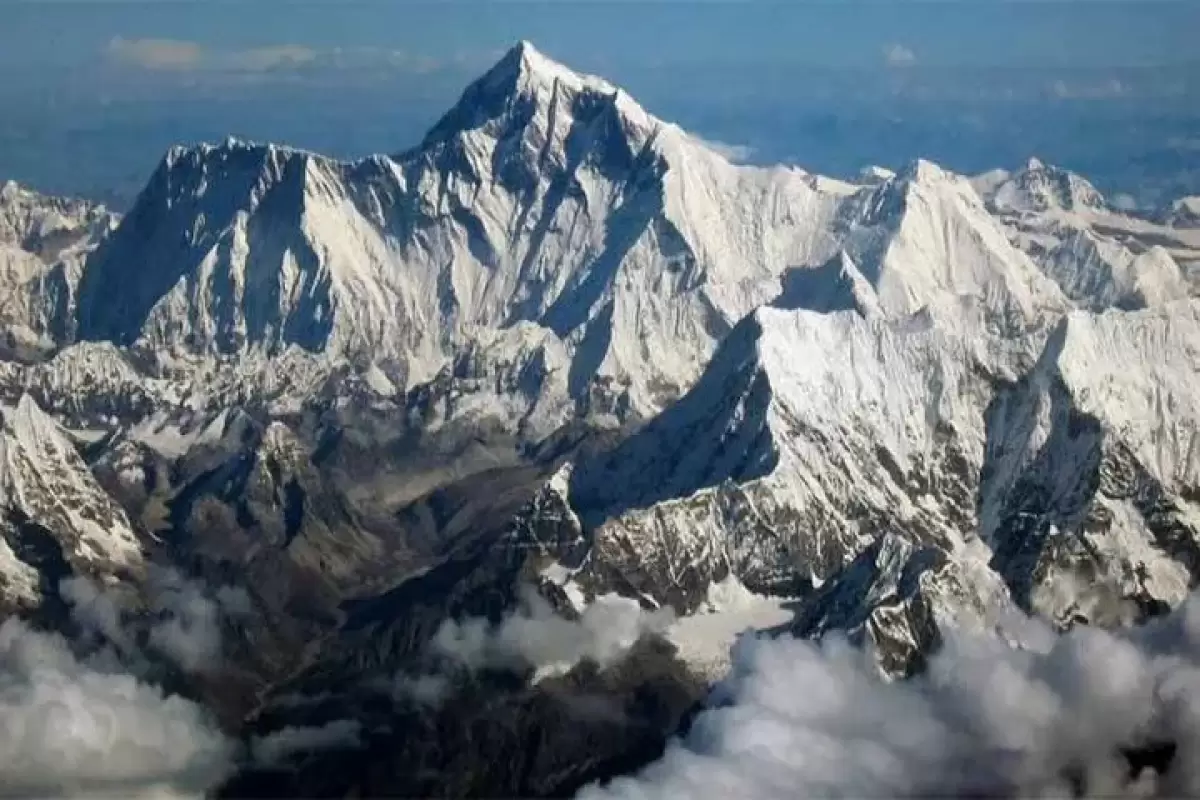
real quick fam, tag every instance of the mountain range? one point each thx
(560, 356)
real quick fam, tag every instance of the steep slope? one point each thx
(1098, 272)
(1090, 493)
(924, 239)
(543, 197)
(898, 599)
(813, 435)
(43, 244)
(46, 488)
(258, 501)
(808, 437)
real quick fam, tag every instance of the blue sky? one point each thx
(94, 90)
(634, 32)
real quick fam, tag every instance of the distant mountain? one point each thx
(43, 244)
(564, 356)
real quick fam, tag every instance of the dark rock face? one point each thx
(492, 735)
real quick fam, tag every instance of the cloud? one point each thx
(276, 747)
(737, 153)
(156, 54)
(535, 636)
(1091, 91)
(797, 718)
(1186, 143)
(189, 628)
(174, 55)
(72, 727)
(182, 622)
(897, 55)
(423, 690)
(282, 56)
(1124, 202)
(98, 614)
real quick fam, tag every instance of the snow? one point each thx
(43, 476)
(564, 578)
(664, 240)
(1140, 374)
(1184, 212)
(43, 244)
(164, 434)
(704, 638)
(1040, 187)
(817, 363)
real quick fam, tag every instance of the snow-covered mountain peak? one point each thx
(1099, 272)
(528, 95)
(44, 481)
(203, 154)
(1040, 187)
(923, 171)
(531, 65)
(874, 174)
(1184, 212)
(924, 240)
(46, 226)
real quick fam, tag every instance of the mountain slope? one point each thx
(43, 244)
(544, 197)
(563, 348)
(1100, 257)
(1091, 491)
(44, 484)
(809, 436)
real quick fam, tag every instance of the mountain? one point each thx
(47, 487)
(526, 423)
(43, 244)
(1183, 213)
(1038, 188)
(1100, 257)
(544, 197)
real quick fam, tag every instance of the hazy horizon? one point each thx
(1109, 89)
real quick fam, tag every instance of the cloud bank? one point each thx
(158, 54)
(897, 55)
(803, 719)
(84, 719)
(183, 625)
(535, 636)
(275, 748)
(179, 55)
(73, 727)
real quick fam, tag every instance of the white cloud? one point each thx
(1124, 202)
(156, 54)
(175, 55)
(281, 56)
(897, 55)
(71, 727)
(189, 628)
(276, 747)
(796, 718)
(1190, 143)
(423, 690)
(185, 624)
(1094, 91)
(737, 153)
(535, 636)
